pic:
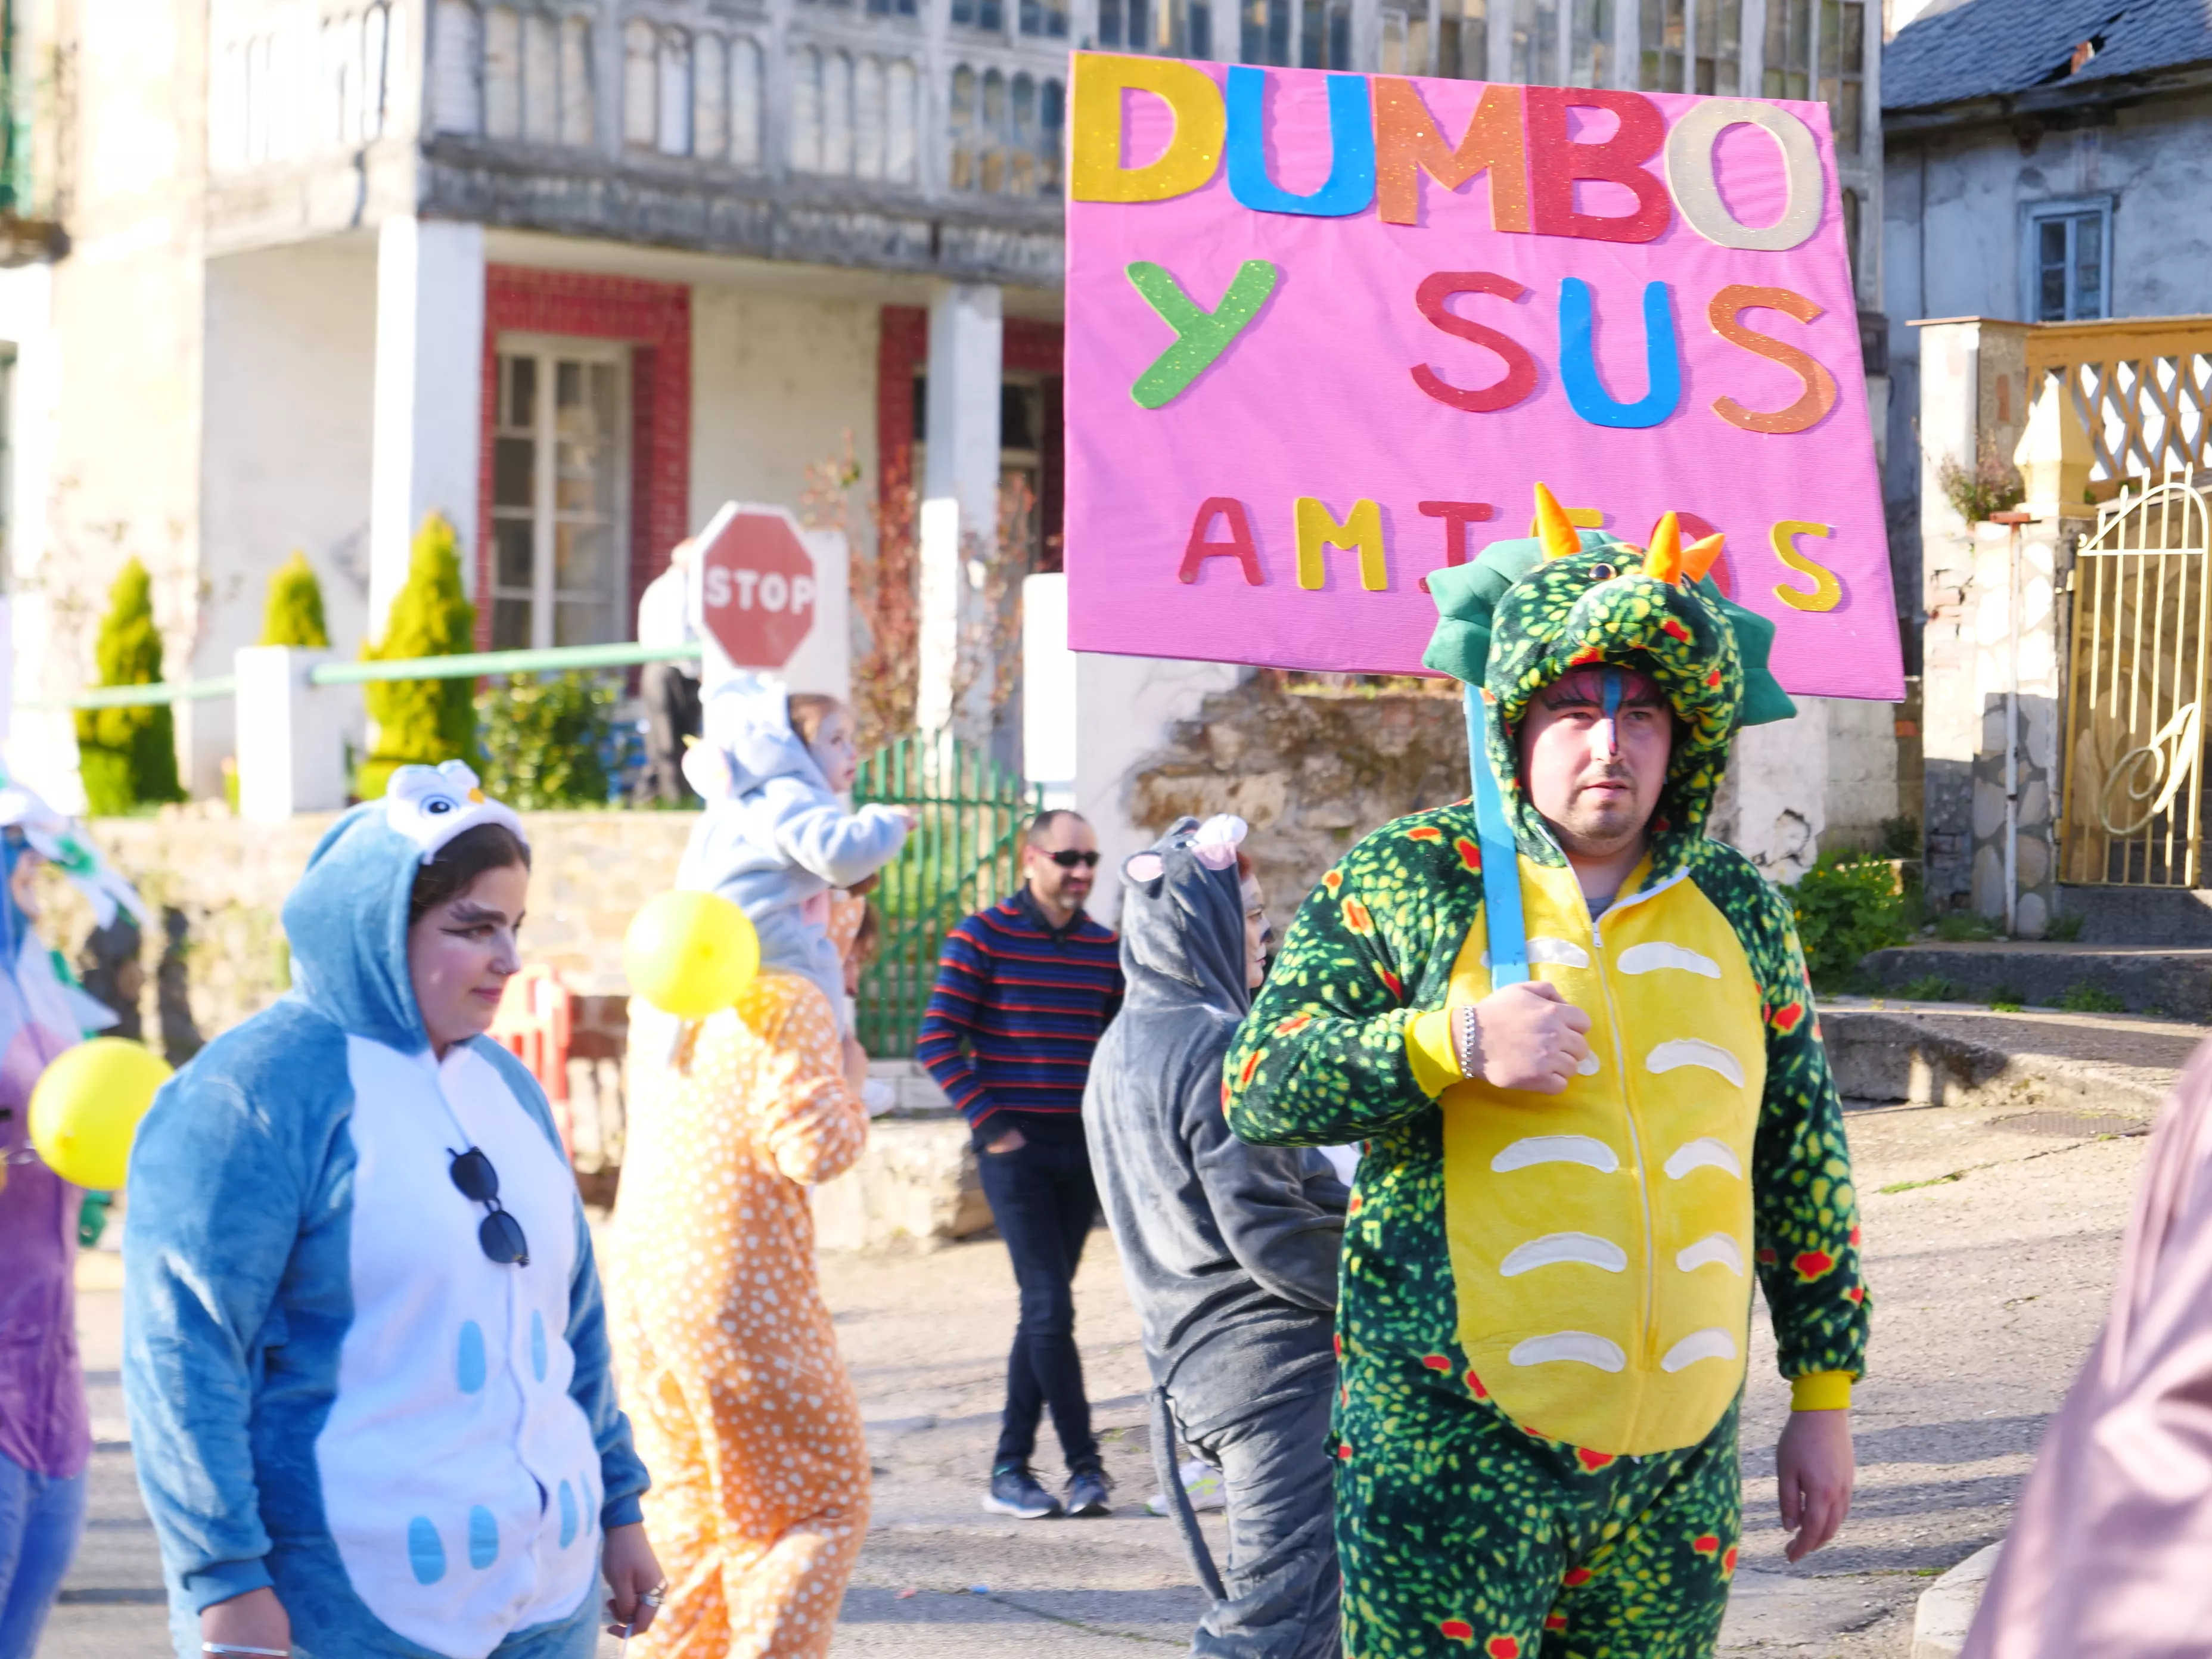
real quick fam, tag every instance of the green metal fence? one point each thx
(965, 854)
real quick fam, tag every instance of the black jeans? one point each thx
(671, 712)
(1042, 1200)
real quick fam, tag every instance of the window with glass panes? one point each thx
(1691, 46)
(1789, 72)
(1534, 42)
(2069, 259)
(1842, 71)
(560, 469)
(1589, 43)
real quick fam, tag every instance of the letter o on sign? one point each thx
(1697, 191)
(774, 591)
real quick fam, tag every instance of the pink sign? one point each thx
(1327, 333)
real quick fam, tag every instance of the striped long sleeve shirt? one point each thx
(1019, 1005)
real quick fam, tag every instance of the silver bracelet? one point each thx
(1465, 1045)
(253, 1653)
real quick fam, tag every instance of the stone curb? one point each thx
(1947, 1606)
(1889, 1056)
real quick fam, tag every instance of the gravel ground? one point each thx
(1990, 1252)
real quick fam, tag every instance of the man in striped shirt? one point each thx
(1023, 990)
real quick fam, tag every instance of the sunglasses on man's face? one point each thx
(1067, 858)
(500, 1235)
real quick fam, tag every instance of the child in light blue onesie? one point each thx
(775, 838)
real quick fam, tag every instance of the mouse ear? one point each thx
(1143, 868)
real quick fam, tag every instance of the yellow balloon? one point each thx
(690, 954)
(85, 1106)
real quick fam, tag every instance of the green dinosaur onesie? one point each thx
(1546, 1299)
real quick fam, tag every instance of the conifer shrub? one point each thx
(423, 722)
(128, 756)
(294, 613)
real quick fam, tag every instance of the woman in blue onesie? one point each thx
(365, 1352)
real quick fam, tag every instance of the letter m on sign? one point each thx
(1362, 528)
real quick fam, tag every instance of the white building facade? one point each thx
(574, 273)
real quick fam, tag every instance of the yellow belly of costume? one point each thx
(1601, 1239)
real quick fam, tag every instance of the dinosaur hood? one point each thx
(1525, 612)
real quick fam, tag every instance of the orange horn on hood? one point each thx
(1553, 528)
(1700, 556)
(1664, 560)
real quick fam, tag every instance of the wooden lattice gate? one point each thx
(966, 853)
(2134, 724)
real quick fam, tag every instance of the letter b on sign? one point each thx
(757, 585)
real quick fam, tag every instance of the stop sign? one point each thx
(756, 589)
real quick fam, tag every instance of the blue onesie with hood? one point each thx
(774, 837)
(332, 1389)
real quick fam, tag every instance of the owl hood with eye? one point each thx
(347, 920)
(1524, 613)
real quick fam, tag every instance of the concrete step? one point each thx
(2161, 981)
(1947, 1607)
(2169, 917)
(2084, 1068)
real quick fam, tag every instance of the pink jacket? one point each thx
(2109, 1555)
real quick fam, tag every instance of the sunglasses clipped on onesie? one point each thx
(501, 1234)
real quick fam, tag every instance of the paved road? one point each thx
(1992, 1252)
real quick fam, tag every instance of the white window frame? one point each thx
(544, 516)
(2032, 217)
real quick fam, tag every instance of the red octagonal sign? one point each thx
(757, 590)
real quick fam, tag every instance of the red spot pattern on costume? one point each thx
(1766, 1257)
(1588, 654)
(1708, 1545)
(1812, 1265)
(1356, 918)
(1575, 1577)
(1713, 678)
(1555, 1621)
(1332, 880)
(1344, 1451)
(1675, 630)
(1470, 854)
(1727, 1562)
(1397, 986)
(1502, 1647)
(1355, 1205)
(1855, 1233)
(1474, 1384)
(1592, 1461)
(1251, 1065)
(1785, 1017)
(1436, 1362)
(1295, 1023)
(1856, 1294)
(1457, 1629)
(1424, 832)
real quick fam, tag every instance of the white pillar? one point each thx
(430, 369)
(291, 735)
(1048, 689)
(959, 508)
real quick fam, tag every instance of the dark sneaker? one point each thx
(1088, 1491)
(1015, 1490)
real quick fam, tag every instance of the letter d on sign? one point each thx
(1202, 123)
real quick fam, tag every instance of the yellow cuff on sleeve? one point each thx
(1820, 1391)
(1429, 1047)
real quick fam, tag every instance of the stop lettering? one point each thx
(757, 589)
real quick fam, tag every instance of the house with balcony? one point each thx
(573, 272)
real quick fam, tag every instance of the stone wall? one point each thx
(217, 884)
(1311, 774)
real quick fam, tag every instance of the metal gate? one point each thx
(2134, 724)
(965, 854)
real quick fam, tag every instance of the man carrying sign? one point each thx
(1570, 1180)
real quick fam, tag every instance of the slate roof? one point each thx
(1987, 48)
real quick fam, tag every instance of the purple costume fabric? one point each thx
(44, 1423)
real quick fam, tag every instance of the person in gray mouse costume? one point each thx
(1229, 1250)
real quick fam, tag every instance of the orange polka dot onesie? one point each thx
(741, 1407)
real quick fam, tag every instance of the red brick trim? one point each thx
(903, 352)
(655, 320)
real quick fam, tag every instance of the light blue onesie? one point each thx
(333, 1390)
(774, 839)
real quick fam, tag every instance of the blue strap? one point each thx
(1501, 858)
